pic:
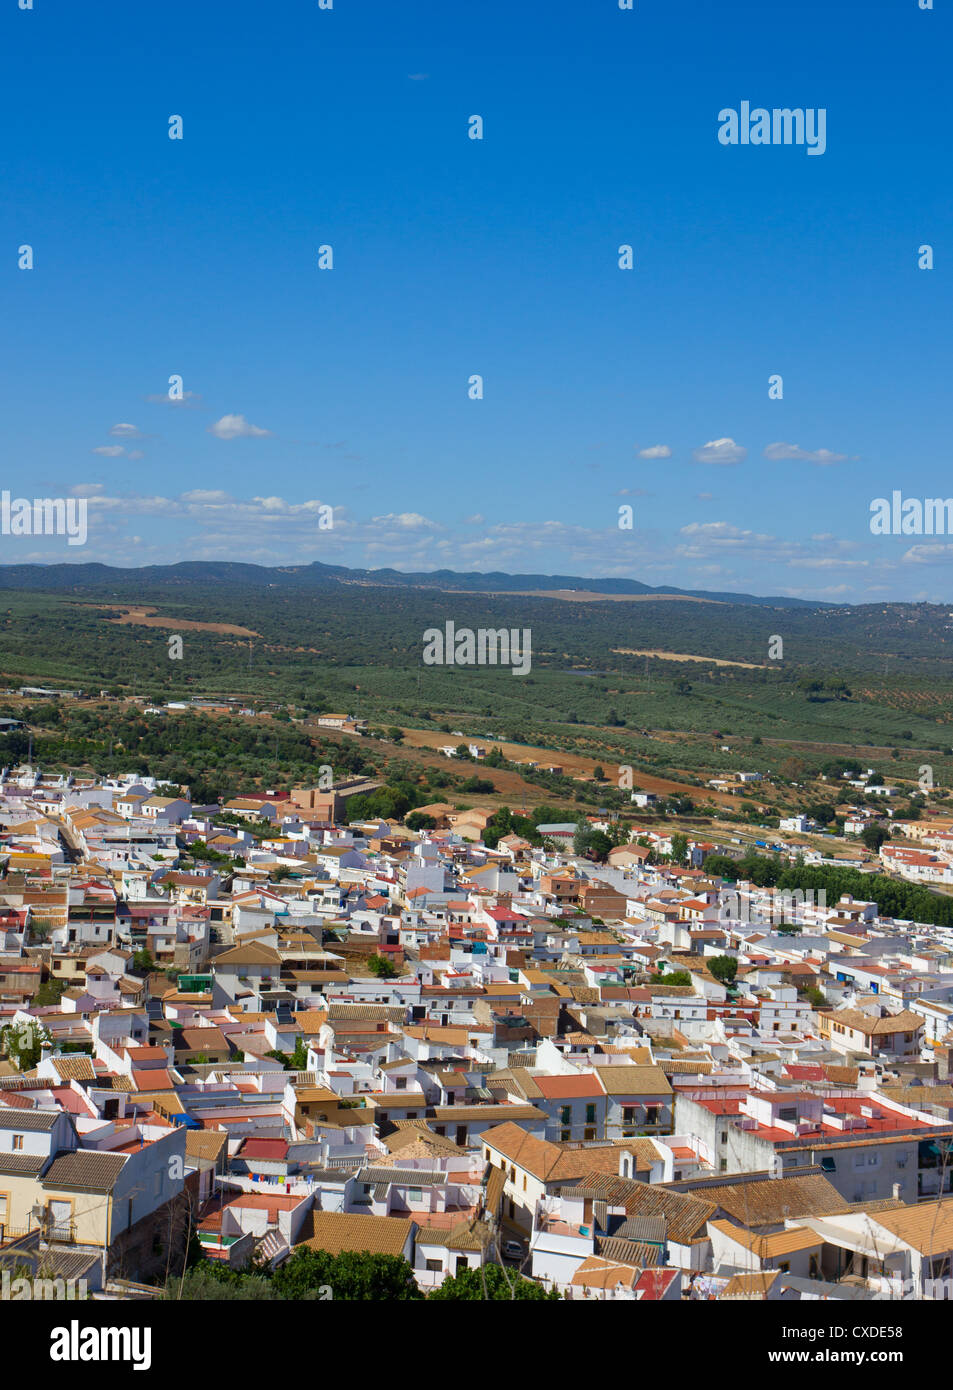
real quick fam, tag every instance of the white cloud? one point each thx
(409, 521)
(936, 554)
(825, 562)
(125, 432)
(720, 451)
(109, 451)
(656, 451)
(718, 530)
(206, 495)
(236, 427)
(779, 452)
(188, 398)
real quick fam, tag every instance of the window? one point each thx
(828, 1165)
(565, 1114)
(435, 1266)
(401, 1083)
(590, 1114)
(17, 1142)
(415, 1194)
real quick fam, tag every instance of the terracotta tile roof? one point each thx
(37, 1121)
(205, 1143)
(686, 1216)
(84, 1170)
(253, 954)
(76, 1067)
(569, 1086)
(600, 1273)
(927, 1227)
(769, 1201)
(337, 1231)
(770, 1247)
(749, 1286)
(905, 1022)
(634, 1080)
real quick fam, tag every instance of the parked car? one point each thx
(512, 1250)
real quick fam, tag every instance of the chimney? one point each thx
(896, 1191)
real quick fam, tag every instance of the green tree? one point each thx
(873, 836)
(354, 1276)
(600, 844)
(50, 992)
(724, 968)
(205, 1281)
(380, 966)
(492, 1282)
(23, 1043)
(582, 836)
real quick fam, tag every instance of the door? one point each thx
(61, 1220)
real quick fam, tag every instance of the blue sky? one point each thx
(453, 257)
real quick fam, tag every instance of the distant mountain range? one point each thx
(60, 578)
